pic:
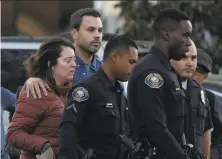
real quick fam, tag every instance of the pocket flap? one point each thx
(110, 112)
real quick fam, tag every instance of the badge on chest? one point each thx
(202, 96)
(109, 105)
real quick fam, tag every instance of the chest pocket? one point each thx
(177, 97)
(199, 105)
(177, 105)
(105, 119)
(201, 117)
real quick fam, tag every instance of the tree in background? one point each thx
(205, 15)
(138, 16)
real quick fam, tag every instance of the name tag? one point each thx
(109, 105)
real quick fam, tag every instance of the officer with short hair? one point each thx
(97, 110)
(204, 68)
(154, 90)
(198, 122)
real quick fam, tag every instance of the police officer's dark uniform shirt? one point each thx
(215, 102)
(156, 101)
(198, 117)
(95, 114)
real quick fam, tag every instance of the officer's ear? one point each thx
(74, 33)
(166, 35)
(114, 56)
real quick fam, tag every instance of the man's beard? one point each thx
(88, 51)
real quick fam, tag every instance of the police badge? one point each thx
(202, 96)
(154, 80)
(80, 94)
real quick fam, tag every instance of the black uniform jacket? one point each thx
(95, 114)
(197, 114)
(156, 101)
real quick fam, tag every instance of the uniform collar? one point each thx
(93, 62)
(107, 82)
(192, 83)
(160, 55)
(184, 84)
(105, 79)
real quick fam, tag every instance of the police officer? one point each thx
(154, 91)
(86, 29)
(204, 68)
(96, 111)
(198, 122)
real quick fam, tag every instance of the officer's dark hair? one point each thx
(40, 64)
(76, 18)
(116, 43)
(168, 19)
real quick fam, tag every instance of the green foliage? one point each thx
(138, 15)
(206, 18)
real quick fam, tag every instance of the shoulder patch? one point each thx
(154, 80)
(80, 94)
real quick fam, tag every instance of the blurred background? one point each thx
(35, 20)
